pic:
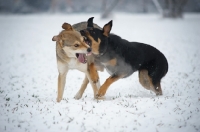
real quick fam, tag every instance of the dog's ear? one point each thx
(67, 27)
(55, 38)
(90, 22)
(107, 28)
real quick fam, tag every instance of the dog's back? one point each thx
(149, 61)
(83, 25)
(138, 55)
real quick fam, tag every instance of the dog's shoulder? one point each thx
(122, 45)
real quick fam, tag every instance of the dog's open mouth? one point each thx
(82, 57)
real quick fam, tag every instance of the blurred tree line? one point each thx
(168, 8)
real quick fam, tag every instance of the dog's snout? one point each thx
(89, 50)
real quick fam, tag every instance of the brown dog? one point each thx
(73, 53)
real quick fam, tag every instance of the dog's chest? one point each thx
(75, 64)
(108, 69)
(118, 66)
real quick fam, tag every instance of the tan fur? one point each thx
(66, 49)
(67, 27)
(106, 30)
(93, 73)
(95, 45)
(105, 86)
(146, 81)
(112, 62)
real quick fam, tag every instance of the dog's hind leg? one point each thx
(158, 89)
(147, 82)
(62, 69)
(144, 79)
(82, 89)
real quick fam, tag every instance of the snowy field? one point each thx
(28, 78)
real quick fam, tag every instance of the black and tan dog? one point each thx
(121, 58)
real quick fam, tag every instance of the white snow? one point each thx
(28, 78)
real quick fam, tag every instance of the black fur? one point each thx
(90, 22)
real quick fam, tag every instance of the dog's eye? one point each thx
(76, 45)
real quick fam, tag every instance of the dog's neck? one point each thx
(104, 51)
(68, 54)
(62, 54)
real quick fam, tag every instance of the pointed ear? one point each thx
(55, 38)
(90, 22)
(107, 28)
(67, 27)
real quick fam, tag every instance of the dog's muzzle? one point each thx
(82, 57)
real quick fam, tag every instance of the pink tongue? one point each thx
(81, 58)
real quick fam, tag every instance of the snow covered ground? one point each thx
(28, 78)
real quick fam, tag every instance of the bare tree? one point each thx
(172, 8)
(57, 5)
(158, 6)
(107, 9)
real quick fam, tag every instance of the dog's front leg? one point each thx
(82, 89)
(62, 69)
(105, 86)
(93, 73)
(94, 78)
(95, 84)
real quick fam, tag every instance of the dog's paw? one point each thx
(100, 98)
(58, 99)
(100, 93)
(159, 94)
(78, 96)
(98, 85)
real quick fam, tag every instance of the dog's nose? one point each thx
(89, 50)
